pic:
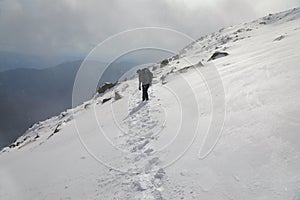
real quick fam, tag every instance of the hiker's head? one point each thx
(138, 71)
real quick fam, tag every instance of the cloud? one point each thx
(74, 27)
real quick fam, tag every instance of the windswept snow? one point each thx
(128, 149)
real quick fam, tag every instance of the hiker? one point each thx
(145, 78)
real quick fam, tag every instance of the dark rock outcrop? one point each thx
(106, 86)
(217, 55)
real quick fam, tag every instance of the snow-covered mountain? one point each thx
(227, 128)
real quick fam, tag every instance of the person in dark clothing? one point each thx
(145, 79)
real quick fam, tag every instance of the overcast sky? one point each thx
(74, 27)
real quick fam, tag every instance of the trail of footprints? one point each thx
(143, 124)
(145, 179)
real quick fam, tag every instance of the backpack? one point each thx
(148, 74)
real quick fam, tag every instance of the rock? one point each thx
(57, 129)
(163, 79)
(86, 105)
(105, 100)
(279, 38)
(218, 54)
(106, 86)
(164, 63)
(117, 96)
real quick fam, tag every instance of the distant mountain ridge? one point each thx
(13, 60)
(31, 95)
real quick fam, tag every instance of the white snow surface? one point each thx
(128, 149)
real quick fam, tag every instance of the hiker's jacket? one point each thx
(145, 76)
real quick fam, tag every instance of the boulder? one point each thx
(106, 86)
(217, 55)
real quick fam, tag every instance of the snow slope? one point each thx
(127, 149)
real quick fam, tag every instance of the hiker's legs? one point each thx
(147, 87)
(145, 92)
